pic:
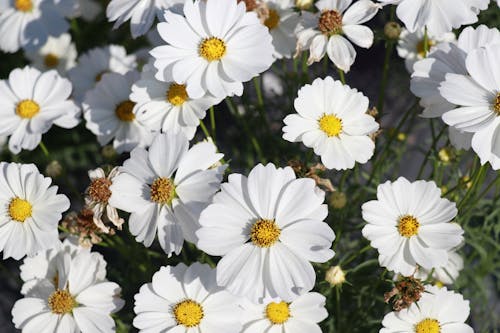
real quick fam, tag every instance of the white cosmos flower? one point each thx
(446, 274)
(46, 265)
(267, 228)
(214, 48)
(88, 9)
(31, 102)
(324, 31)
(28, 23)
(301, 315)
(184, 299)
(166, 188)
(439, 310)
(478, 98)
(439, 16)
(58, 53)
(411, 45)
(97, 199)
(331, 118)
(79, 302)
(110, 114)
(448, 58)
(141, 13)
(96, 62)
(282, 20)
(409, 224)
(166, 106)
(31, 211)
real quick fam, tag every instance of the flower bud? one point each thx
(54, 169)
(446, 154)
(335, 276)
(108, 152)
(303, 4)
(392, 30)
(338, 200)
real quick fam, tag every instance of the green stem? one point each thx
(205, 130)
(44, 149)
(429, 152)
(258, 91)
(475, 181)
(341, 75)
(212, 121)
(426, 42)
(385, 76)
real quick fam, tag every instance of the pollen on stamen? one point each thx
(162, 191)
(428, 325)
(408, 226)
(20, 209)
(330, 22)
(27, 108)
(330, 124)
(188, 313)
(23, 5)
(496, 104)
(99, 190)
(61, 302)
(51, 60)
(212, 49)
(124, 111)
(264, 233)
(177, 94)
(278, 313)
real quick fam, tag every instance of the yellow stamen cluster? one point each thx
(162, 191)
(496, 104)
(330, 124)
(124, 111)
(278, 313)
(177, 94)
(212, 48)
(428, 326)
(99, 189)
(27, 108)
(330, 22)
(23, 5)
(51, 60)
(408, 226)
(188, 313)
(421, 47)
(272, 20)
(264, 233)
(61, 302)
(20, 209)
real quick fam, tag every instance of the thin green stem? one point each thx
(385, 76)
(205, 130)
(429, 152)
(426, 42)
(475, 181)
(44, 149)
(341, 75)
(258, 91)
(212, 121)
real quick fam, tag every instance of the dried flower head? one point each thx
(406, 291)
(82, 225)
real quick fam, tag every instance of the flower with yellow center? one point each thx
(61, 302)
(20, 209)
(421, 51)
(278, 313)
(27, 108)
(264, 233)
(330, 124)
(163, 191)
(428, 326)
(124, 111)
(99, 189)
(51, 60)
(272, 20)
(212, 49)
(188, 313)
(23, 5)
(177, 94)
(408, 226)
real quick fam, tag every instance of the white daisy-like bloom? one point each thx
(446, 274)
(96, 62)
(110, 113)
(411, 45)
(97, 199)
(324, 31)
(439, 16)
(439, 310)
(478, 98)
(267, 228)
(214, 48)
(46, 265)
(281, 20)
(183, 299)
(331, 118)
(301, 315)
(31, 211)
(447, 58)
(166, 188)
(28, 23)
(31, 102)
(166, 106)
(78, 302)
(141, 14)
(58, 53)
(409, 224)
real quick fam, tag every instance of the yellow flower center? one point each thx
(124, 111)
(428, 326)
(98, 77)
(188, 313)
(421, 47)
(278, 313)
(51, 60)
(496, 104)
(162, 191)
(408, 226)
(264, 233)
(330, 22)
(177, 94)
(330, 124)
(27, 108)
(23, 5)
(272, 20)
(20, 209)
(212, 48)
(99, 190)
(61, 302)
